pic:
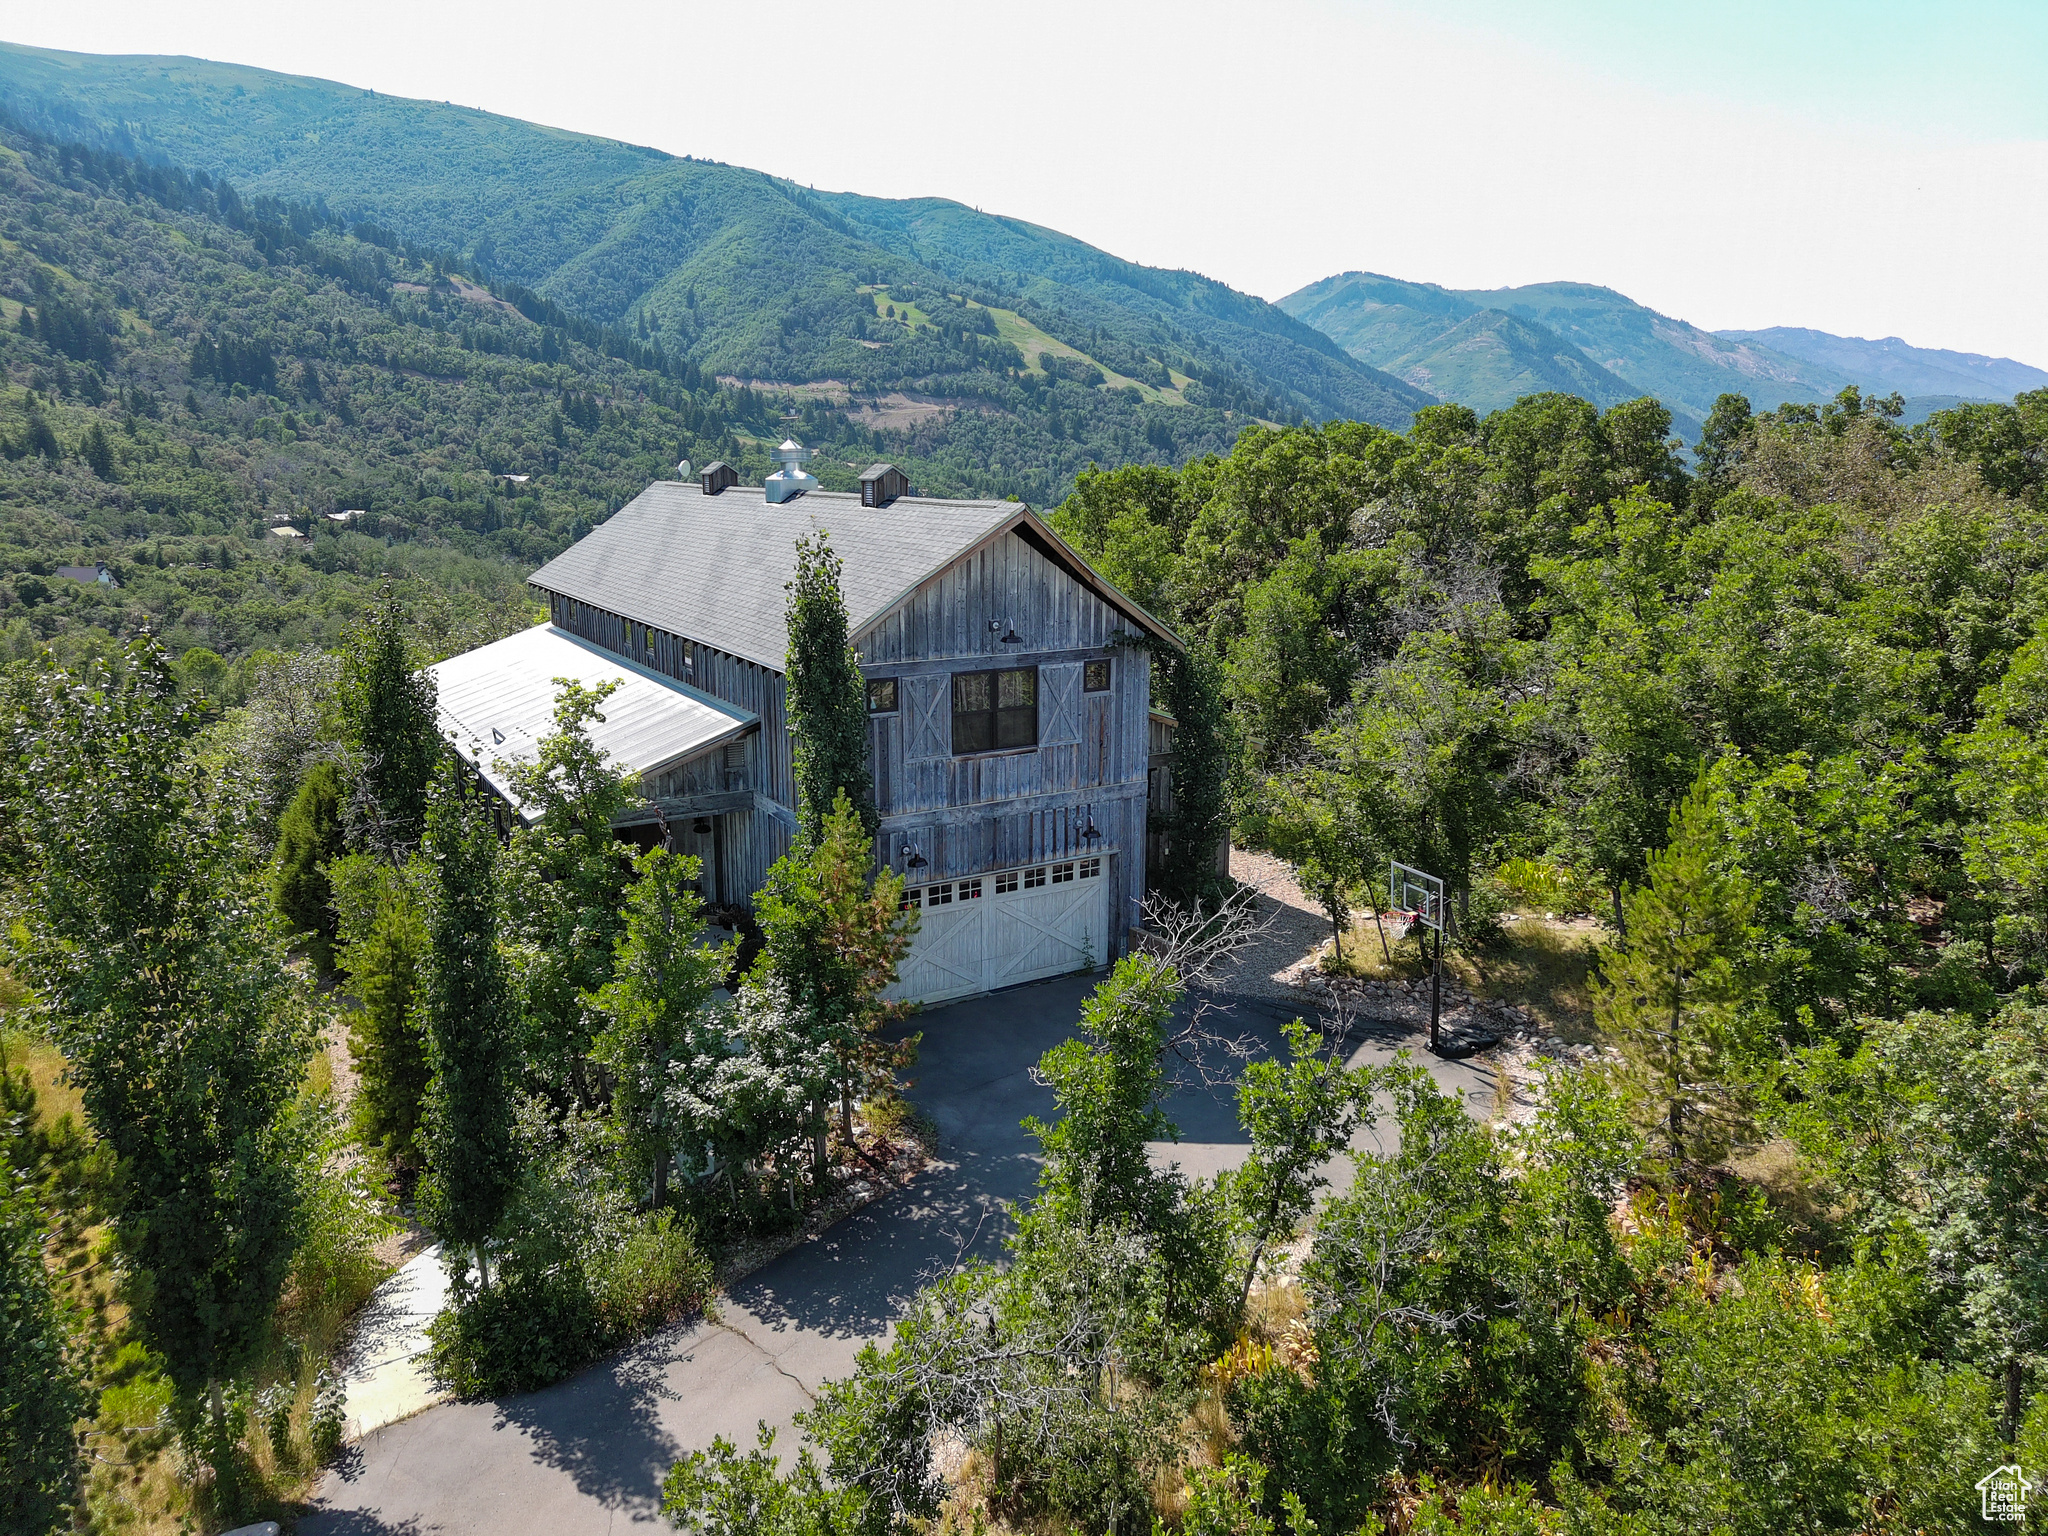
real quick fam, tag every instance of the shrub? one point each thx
(535, 1326)
(657, 1276)
(520, 1334)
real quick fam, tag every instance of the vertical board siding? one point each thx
(965, 815)
(969, 815)
(742, 844)
(741, 684)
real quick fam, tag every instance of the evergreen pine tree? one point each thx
(308, 835)
(97, 452)
(382, 932)
(388, 713)
(1671, 992)
(467, 1014)
(828, 710)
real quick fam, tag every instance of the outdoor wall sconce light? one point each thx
(1010, 638)
(1089, 833)
(701, 826)
(912, 859)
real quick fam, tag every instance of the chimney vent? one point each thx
(792, 480)
(717, 476)
(881, 484)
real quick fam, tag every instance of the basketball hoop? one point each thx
(1416, 894)
(1419, 897)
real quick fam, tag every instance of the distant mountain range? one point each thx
(750, 276)
(1488, 347)
(1012, 352)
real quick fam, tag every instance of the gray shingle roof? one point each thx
(712, 568)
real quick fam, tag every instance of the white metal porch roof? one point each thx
(498, 702)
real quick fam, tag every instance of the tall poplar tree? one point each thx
(151, 950)
(388, 714)
(467, 1017)
(41, 1391)
(828, 707)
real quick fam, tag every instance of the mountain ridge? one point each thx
(1897, 364)
(1410, 329)
(742, 272)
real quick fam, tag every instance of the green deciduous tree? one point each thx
(563, 881)
(151, 951)
(1299, 1114)
(388, 715)
(721, 1492)
(827, 696)
(42, 1389)
(1671, 993)
(833, 934)
(1192, 689)
(2004, 784)
(655, 1004)
(467, 1014)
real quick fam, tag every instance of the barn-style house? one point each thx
(1010, 727)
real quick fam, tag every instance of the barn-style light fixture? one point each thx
(1089, 833)
(701, 826)
(1010, 638)
(912, 859)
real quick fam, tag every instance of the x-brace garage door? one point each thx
(1000, 929)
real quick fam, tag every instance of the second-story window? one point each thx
(1095, 677)
(881, 695)
(993, 711)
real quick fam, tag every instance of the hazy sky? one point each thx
(1871, 168)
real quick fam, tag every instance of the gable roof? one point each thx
(498, 701)
(713, 568)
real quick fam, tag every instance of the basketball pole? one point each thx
(1436, 992)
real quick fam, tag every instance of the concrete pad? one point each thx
(384, 1376)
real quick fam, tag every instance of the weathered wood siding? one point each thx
(742, 684)
(963, 815)
(998, 810)
(746, 843)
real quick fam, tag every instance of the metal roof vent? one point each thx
(717, 476)
(792, 480)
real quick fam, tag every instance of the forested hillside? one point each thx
(751, 278)
(187, 372)
(182, 373)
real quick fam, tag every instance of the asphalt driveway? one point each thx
(589, 1454)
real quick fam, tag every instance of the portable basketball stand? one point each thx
(1421, 894)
